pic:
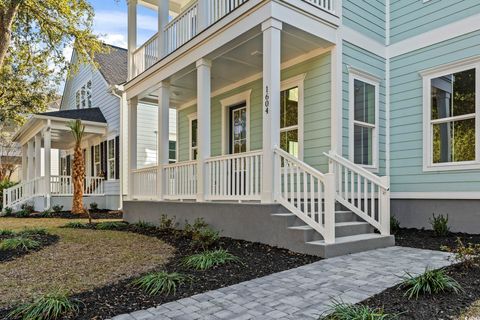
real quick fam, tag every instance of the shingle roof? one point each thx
(92, 114)
(113, 65)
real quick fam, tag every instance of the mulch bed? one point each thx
(440, 306)
(426, 239)
(257, 259)
(100, 214)
(43, 239)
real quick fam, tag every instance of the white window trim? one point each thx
(297, 81)
(111, 141)
(243, 97)
(357, 74)
(428, 75)
(95, 173)
(191, 117)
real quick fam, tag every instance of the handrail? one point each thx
(179, 164)
(301, 164)
(182, 14)
(235, 155)
(145, 169)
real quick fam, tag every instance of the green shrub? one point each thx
(205, 238)
(22, 214)
(431, 281)
(440, 225)
(57, 208)
(467, 255)
(6, 232)
(166, 223)
(94, 206)
(28, 232)
(209, 259)
(198, 224)
(143, 225)
(19, 243)
(28, 208)
(111, 225)
(8, 212)
(47, 307)
(46, 214)
(344, 311)
(75, 225)
(394, 224)
(160, 283)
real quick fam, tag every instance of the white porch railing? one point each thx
(146, 55)
(181, 29)
(220, 8)
(327, 5)
(362, 192)
(235, 177)
(23, 192)
(145, 183)
(306, 192)
(63, 186)
(180, 180)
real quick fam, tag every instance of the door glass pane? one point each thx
(289, 108)
(364, 102)
(239, 130)
(289, 142)
(363, 145)
(194, 133)
(453, 95)
(454, 141)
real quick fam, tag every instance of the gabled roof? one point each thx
(91, 114)
(113, 65)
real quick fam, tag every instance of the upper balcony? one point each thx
(190, 18)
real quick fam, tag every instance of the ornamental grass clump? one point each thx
(345, 311)
(440, 225)
(208, 259)
(19, 243)
(31, 232)
(75, 225)
(143, 225)
(51, 306)
(430, 282)
(7, 232)
(160, 283)
(111, 225)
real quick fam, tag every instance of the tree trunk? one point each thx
(7, 17)
(78, 175)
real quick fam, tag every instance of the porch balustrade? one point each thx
(180, 181)
(145, 183)
(63, 186)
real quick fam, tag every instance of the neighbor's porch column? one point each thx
(47, 144)
(24, 163)
(38, 155)
(271, 103)
(132, 145)
(30, 156)
(163, 135)
(132, 35)
(203, 116)
(163, 14)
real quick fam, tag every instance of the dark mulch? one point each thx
(257, 259)
(441, 306)
(100, 214)
(44, 239)
(426, 239)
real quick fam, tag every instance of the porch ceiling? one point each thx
(239, 60)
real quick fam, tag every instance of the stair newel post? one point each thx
(384, 206)
(276, 174)
(329, 208)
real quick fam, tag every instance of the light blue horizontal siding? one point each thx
(366, 16)
(368, 62)
(409, 18)
(407, 118)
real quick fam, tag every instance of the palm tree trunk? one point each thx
(78, 175)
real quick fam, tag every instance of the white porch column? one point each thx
(163, 135)
(132, 145)
(271, 103)
(132, 35)
(30, 155)
(203, 14)
(47, 144)
(24, 163)
(203, 116)
(163, 13)
(38, 155)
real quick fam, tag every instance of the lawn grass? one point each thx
(80, 261)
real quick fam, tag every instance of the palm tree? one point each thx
(78, 170)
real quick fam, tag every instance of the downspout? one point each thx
(118, 91)
(387, 89)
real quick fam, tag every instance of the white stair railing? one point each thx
(235, 177)
(22, 192)
(362, 192)
(306, 192)
(145, 183)
(180, 180)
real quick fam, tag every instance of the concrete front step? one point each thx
(342, 229)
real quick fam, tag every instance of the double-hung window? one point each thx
(97, 160)
(451, 117)
(364, 108)
(111, 159)
(289, 121)
(83, 96)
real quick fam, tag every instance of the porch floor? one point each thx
(302, 293)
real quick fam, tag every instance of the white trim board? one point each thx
(436, 195)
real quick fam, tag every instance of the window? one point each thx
(111, 159)
(83, 96)
(363, 137)
(289, 121)
(172, 151)
(451, 118)
(193, 137)
(97, 161)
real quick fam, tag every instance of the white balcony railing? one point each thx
(180, 180)
(181, 29)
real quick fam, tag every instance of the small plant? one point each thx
(111, 225)
(166, 223)
(7, 212)
(57, 208)
(160, 283)
(29, 232)
(22, 214)
(198, 224)
(47, 307)
(19, 243)
(345, 311)
(440, 225)
(28, 207)
(209, 259)
(467, 255)
(394, 224)
(46, 214)
(431, 281)
(75, 225)
(205, 238)
(6, 232)
(94, 206)
(143, 225)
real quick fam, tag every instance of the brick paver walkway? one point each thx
(302, 293)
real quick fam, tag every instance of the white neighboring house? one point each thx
(89, 95)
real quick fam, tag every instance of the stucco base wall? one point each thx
(111, 202)
(464, 215)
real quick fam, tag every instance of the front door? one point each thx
(238, 129)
